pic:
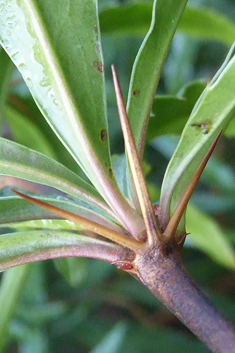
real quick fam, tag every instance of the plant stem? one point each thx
(162, 270)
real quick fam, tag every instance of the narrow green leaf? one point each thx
(134, 19)
(170, 113)
(5, 77)
(22, 162)
(62, 64)
(24, 247)
(149, 63)
(120, 171)
(32, 136)
(209, 238)
(212, 113)
(27, 107)
(205, 23)
(112, 341)
(230, 130)
(73, 269)
(12, 284)
(14, 209)
(71, 100)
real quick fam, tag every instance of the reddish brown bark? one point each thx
(162, 270)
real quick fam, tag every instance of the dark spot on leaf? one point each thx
(204, 127)
(103, 135)
(111, 172)
(99, 66)
(135, 93)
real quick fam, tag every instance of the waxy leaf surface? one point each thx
(15, 209)
(149, 63)
(134, 19)
(24, 247)
(21, 162)
(62, 64)
(212, 113)
(46, 52)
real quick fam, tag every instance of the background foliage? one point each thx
(84, 305)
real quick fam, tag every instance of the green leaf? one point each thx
(14, 209)
(113, 340)
(27, 107)
(212, 113)
(170, 113)
(21, 162)
(5, 77)
(230, 130)
(72, 100)
(73, 269)
(12, 283)
(62, 64)
(134, 19)
(205, 23)
(32, 136)
(24, 247)
(149, 63)
(209, 238)
(120, 171)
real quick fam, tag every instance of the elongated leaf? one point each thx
(134, 19)
(27, 108)
(32, 136)
(230, 131)
(211, 114)
(12, 284)
(73, 269)
(120, 171)
(149, 63)
(170, 113)
(71, 100)
(112, 341)
(5, 77)
(62, 64)
(15, 209)
(24, 247)
(209, 238)
(206, 23)
(22, 162)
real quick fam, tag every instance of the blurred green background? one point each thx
(86, 305)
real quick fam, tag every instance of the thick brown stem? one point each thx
(163, 272)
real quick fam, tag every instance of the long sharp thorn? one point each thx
(86, 223)
(152, 227)
(180, 208)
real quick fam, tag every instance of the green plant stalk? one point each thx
(12, 284)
